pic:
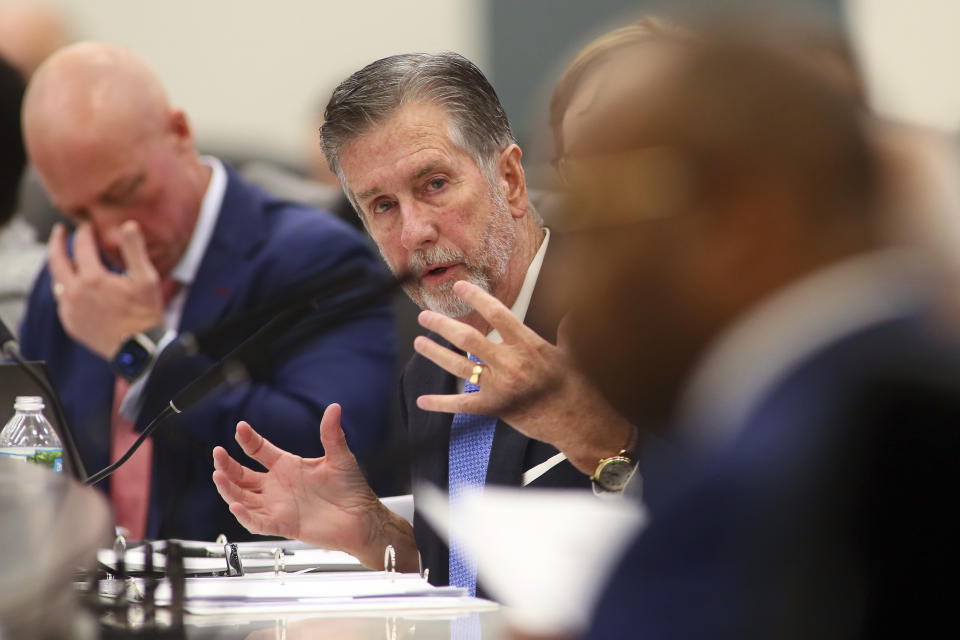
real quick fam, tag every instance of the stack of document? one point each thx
(319, 592)
(310, 580)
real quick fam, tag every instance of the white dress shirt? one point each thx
(519, 310)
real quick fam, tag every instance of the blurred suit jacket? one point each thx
(828, 517)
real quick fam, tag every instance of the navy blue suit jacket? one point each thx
(826, 517)
(260, 246)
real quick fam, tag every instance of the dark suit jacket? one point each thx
(826, 517)
(511, 455)
(260, 246)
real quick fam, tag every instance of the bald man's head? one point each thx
(92, 92)
(109, 147)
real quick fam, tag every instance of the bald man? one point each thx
(170, 241)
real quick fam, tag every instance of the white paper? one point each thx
(334, 585)
(545, 554)
(400, 505)
(449, 605)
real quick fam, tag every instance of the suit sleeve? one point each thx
(350, 364)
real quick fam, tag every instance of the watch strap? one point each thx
(155, 334)
(136, 353)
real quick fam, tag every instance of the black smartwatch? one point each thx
(136, 353)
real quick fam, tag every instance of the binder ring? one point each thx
(232, 555)
(390, 562)
(279, 563)
(221, 540)
(120, 545)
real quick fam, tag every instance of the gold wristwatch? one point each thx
(613, 473)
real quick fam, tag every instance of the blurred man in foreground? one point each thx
(168, 241)
(424, 151)
(740, 294)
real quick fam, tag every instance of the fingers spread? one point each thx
(492, 310)
(457, 333)
(456, 403)
(231, 492)
(234, 471)
(445, 358)
(256, 446)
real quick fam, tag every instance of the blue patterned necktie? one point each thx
(471, 437)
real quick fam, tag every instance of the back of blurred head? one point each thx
(13, 159)
(723, 172)
(593, 76)
(29, 33)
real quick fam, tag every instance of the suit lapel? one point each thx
(223, 272)
(223, 277)
(507, 456)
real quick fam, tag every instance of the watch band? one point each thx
(155, 334)
(134, 356)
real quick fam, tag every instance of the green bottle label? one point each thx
(52, 458)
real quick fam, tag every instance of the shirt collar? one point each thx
(186, 269)
(522, 303)
(760, 348)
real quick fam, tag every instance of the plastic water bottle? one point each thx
(30, 437)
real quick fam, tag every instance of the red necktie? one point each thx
(130, 484)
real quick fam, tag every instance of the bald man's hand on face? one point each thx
(525, 381)
(98, 308)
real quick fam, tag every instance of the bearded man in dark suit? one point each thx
(424, 151)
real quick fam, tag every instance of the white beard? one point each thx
(489, 266)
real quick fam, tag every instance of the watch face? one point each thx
(615, 473)
(132, 359)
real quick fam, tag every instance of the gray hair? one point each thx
(373, 94)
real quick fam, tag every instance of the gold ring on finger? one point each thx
(475, 374)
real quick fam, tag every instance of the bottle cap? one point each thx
(28, 403)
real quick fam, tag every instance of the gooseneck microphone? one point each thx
(10, 348)
(214, 338)
(235, 367)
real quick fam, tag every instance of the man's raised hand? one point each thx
(323, 501)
